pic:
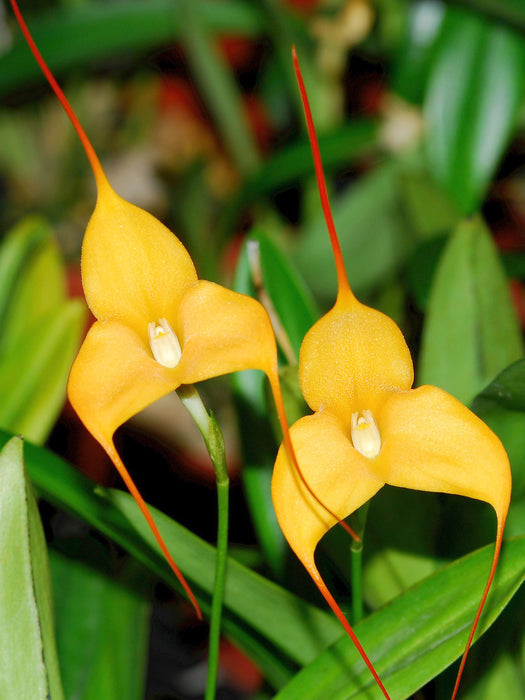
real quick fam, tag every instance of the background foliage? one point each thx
(193, 109)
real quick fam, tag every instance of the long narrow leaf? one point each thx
(28, 658)
(468, 128)
(417, 635)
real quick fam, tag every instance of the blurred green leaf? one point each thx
(102, 623)
(373, 232)
(40, 332)
(76, 35)
(501, 680)
(421, 268)
(417, 49)
(219, 88)
(510, 11)
(293, 163)
(17, 249)
(507, 390)
(418, 635)
(502, 406)
(494, 668)
(34, 372)
(429, 210)
(472, 103)
(28, 659)
(27, 304)
(289, 295)
(432, 216)
(287, 30)
(471, 332)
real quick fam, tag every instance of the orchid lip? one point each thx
(365, 434)
(164, 343)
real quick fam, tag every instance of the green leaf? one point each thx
(34, 371)
(399, 551)
(28, 660)
(373, 232)
(279, 630)
(79, 34)
(471, 332)
(293, 163)
(287, 291)
(510, 11)
(17, 251)
(417, 49)
(429, 210)
(501, 680)
(44, 268)
(219, 86)
(418, 635)
(40, 333)
(502, 406)
(472, 103)
(102, 622)
(296, 313)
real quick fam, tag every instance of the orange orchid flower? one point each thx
(370, 428)
(158, 326)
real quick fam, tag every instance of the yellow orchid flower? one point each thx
(158, 326)
(370, 428)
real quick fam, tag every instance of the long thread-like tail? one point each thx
(497, 550)
(90, 151)
(126, 478)
(102, 182)
(343, 288)
(316, 576)
(342, 279)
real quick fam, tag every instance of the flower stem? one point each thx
(356, 556)
(214, 441)
(358, 523)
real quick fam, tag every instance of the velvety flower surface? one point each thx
(355, 366)
(136, 273)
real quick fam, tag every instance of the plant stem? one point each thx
(214, 441)
(356, 560)
(223, 491)
(358, 522)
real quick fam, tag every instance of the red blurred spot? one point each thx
(239, 669)
(238, 51)
(259, 121)
(304, 6)
(177, 93)
(517, 291)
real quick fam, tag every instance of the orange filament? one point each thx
(343, 288)
(497, 550)
(126, 478)
(342, 279)
(90, 151)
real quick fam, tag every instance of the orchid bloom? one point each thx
(158, 326)
(370, 428)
